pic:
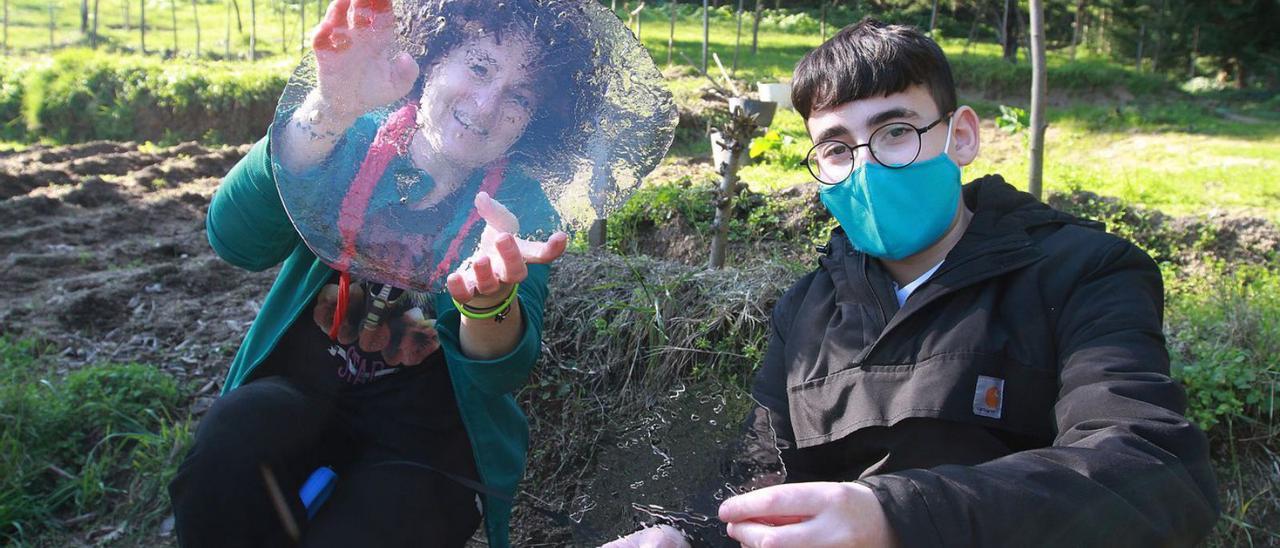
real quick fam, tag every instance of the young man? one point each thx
(966, 366)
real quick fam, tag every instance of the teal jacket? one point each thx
(248, 227)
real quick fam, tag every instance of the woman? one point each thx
(374, 376)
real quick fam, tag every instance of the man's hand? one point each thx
(808, 514)
(502, 259)
(662, 536)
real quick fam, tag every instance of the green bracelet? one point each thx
(499, 311)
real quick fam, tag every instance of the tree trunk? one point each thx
(933, 17)
(195, 15)
(226, 38)
(671, 34)
(1195, 52)
(51, 26)
(1075, 27)
(973, 29)
(1010, 31)
(253, 30)
(302, 26)
(1142, 36)
(142, 24)
(706, 32)
(737, 44)
(724, 210)
(822, 26)
(5, 47)
(755, 26)
(84, 16)
(93, 41)
(173, 11)
(125, 5)
(284, 35)
(1038, 83)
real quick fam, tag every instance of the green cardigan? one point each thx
(248, 227)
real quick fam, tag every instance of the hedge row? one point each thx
(80, 95)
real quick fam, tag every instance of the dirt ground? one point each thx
(104, 255)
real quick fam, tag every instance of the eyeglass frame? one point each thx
(853, 149)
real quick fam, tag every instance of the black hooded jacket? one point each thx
(1020, 397)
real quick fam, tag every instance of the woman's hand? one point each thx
(808, 514)
(489, 277)
(357, 70)
(357, 67)
(661, 536)
(502, 259)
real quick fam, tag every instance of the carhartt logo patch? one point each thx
(988, 398)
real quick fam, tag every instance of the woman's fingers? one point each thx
(510, 266)
(496, 215)
(543, 252)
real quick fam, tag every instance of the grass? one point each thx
(98, 445)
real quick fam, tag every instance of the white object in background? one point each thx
(778, 92)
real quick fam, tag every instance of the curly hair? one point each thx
(566, 61)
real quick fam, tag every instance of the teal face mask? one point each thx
(896, 213)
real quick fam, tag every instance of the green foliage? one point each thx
(1224, 349)
(11, 91)
(81, 95)
(1013, 119)
(101, 436)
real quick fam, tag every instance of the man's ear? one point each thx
(966, 135)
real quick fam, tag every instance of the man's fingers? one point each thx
(496, 214)
(796, 499)
(544, 252)
(751, 533)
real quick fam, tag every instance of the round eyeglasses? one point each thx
(894, 146)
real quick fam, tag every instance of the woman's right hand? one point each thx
(357, 67)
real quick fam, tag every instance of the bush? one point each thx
(83, 95)
(11, 125)
(1222, 329)
(102, 438)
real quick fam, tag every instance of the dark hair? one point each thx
(554, 26)
(871, 59)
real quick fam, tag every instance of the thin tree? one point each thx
(1075, 27)
(125, 6)
(302, 26)
(933, 17)
(173, 10)
(253, 30)
(284, 36)
(1142, 37)
(84, 16)
(226, 37)
(6, 28)
(1038, 83)
(1195, 52)
(195, 14)
(142, 24)
(671, 35)
(1010, 34)
(51, 26)
(755, 26)
(737, 44)
(706, 32)
(823, 24)
(93, 36)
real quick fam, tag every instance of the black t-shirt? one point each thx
(390, 384)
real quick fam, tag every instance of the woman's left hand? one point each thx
(501, 261)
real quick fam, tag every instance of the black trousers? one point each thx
(275, 427)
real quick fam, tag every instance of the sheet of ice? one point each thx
(551, 106)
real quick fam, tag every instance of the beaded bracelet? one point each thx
(498, 312)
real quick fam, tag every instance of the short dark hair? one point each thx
(871, 59)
